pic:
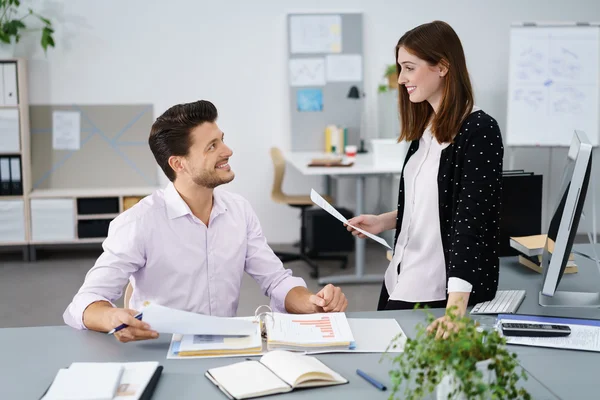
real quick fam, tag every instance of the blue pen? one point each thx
(123, 326)
(372, 381)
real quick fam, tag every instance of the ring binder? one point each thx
(260, 318)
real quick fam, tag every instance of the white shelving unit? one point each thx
(45, 217)
(14, 209)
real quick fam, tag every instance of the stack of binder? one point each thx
(530, 250)
(11, 183)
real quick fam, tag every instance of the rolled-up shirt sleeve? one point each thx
(123, 254)
(265, 267)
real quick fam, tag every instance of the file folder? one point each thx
(16, 184)
(9, 131)
(4, 176)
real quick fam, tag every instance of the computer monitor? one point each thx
(563, 228)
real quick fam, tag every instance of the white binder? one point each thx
(10, 84)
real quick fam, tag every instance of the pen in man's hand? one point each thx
(371, 380)
(123, 326)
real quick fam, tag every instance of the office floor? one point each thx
(37, 293)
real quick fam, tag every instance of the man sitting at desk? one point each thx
(187, 246)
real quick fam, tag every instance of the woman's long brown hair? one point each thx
(436, 43)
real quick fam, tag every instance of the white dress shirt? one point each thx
(419, 250)
(173, 259)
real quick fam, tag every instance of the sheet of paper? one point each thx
(307, 72)
(372, 335)
(9, 129)
(321, 202)
(66, 130)
(315, 34)
(582, 337)
(344, 68)
(310, 328)
(222, 342)
(168, 320)
(172, 354)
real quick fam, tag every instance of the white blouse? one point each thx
(419, 250)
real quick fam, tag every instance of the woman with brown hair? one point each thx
(447, 220)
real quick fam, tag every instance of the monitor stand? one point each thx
(577, 299)
(571, 299)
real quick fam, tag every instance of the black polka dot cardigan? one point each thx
(469, 190)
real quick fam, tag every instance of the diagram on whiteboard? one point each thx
(307, 72)
(554, 84)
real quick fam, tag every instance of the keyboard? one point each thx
(505, 302)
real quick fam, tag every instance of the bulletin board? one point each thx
(325, 59)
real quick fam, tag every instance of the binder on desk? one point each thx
(521, 211)
(16, 183)
(4, 176)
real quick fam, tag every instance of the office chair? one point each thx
(303, 202)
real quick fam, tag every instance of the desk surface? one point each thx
(364, 164)
(32, 356)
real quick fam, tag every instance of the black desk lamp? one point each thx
(354, 93)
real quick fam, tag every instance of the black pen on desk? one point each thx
(371, 380)
(123, 326)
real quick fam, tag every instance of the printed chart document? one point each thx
(168, 320)
(321, 202)
(585, 334)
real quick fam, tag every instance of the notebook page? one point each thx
(310, 329)
(248, 379)
(136, 377)
(83, 381)
(291, 366)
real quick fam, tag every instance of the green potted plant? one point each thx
(472, 363)
(12, 25)
(392, 76)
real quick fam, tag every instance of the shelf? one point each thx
(71, 241)
(3, 198)
(9, 153)
(2, 244)
(97, 216)
(91, 192)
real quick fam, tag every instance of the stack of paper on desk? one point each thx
(585, 333)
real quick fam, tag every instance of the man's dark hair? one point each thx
(170, 133)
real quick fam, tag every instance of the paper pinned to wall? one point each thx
(316, 34)
(66, 130)
(307, 72)
(309, 100)
(344, 68)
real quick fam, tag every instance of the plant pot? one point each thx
(392, 81)
(449, 383)
(7, 50)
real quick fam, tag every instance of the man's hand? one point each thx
(330, 299)
(137, 330)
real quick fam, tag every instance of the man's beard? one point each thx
(211, 180)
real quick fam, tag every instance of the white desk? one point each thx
(363, 166)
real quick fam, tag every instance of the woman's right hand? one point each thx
(367, 222)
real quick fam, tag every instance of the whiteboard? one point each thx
(553, 85)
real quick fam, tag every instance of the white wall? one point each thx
(233, 53)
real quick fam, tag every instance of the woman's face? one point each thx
(422, 81)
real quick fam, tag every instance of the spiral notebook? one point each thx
(274, 331)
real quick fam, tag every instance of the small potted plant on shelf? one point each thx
(12, 26)
(391, 74)
(472, 363)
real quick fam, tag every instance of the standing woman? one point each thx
(447, 221)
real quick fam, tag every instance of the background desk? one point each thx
(32, 356)
(363, 166)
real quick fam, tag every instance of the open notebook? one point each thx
(276, 372)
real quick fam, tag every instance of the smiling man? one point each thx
(188, 246)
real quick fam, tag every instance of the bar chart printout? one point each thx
(310, 329)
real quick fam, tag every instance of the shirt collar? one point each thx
(177, 207)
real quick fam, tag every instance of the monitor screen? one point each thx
(567, 213)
